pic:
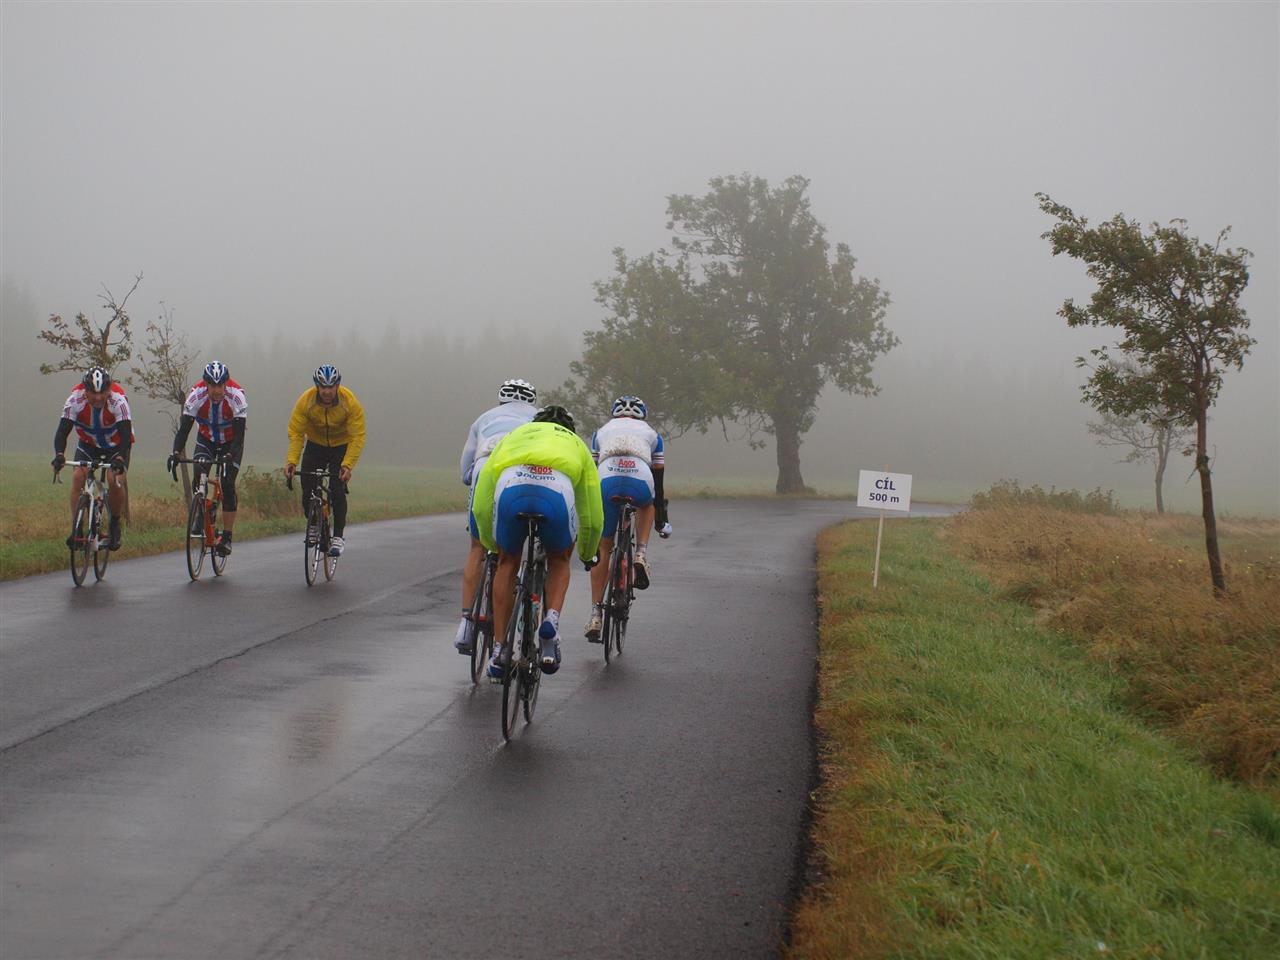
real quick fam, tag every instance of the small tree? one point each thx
(163, 373)
(85, 343)
(1175, 302)
(1152, 439)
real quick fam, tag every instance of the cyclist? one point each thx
(516, 399)
(540, 467)
(98, 411)
(219, 405)
(331, 421)
(632, 463)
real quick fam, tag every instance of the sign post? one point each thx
(883, 491)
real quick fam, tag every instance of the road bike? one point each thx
(202, 515)
(481, 617)
(524, 666)
(315, 545)
(619, 590)
(92, 518)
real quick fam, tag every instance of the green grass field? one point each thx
(986, 794)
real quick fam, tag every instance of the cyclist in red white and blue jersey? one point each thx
(632, 462)
(218, 404)
(98, 411)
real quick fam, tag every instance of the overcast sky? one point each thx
(446, 166)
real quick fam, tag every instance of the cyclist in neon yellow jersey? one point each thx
(540, 467)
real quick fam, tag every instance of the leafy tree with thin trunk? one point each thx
(744, 324)
(163, 373)
(1151, 439)
(85, 343)
(1175, 302)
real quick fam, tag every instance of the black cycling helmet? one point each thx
(96, 379)
(554, 414)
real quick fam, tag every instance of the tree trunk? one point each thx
(1162, 459)
(186, 486)
(1206, 500)
(787, 435)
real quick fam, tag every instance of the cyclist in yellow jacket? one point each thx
(331, 422)
(540, 467)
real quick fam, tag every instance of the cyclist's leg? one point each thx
(559, 533)
(117, 487)
(337, 495)
(78, 475)
(230, 501)
(313, 458)
(472, 571)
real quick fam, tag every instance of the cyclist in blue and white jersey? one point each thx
(517, 403)
(631, 461)
(219, 405)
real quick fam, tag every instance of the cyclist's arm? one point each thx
(355, 432)
(237, 440)
(482, 502)
(60, 435)
(297, 428)
(586, 495)
(468, 461)
(126, 440)
(180, 437)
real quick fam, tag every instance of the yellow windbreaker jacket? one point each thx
(328, 426)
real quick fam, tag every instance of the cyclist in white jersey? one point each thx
(517, 403)
(631, 461)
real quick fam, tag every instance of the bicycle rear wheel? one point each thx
(195, 537)
(510, 678)
(625, 579)
(481, 624)
(80, 540)
(102, 554)
(533, 671)
(312, 544)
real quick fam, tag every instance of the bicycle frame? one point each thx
(520, 679)
(317, 537)
(620, 587)
(207, 496)
(95, 493)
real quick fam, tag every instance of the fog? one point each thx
(455, 176)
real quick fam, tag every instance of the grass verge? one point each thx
(35, 514)
(986, 794)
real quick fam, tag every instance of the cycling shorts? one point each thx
(471, 497)
(623, 477)
(86, 452)
(528, 488)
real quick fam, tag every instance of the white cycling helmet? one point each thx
(629, 406)
(517, 390)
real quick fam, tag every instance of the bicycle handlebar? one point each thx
(288, 481)
(91, 464)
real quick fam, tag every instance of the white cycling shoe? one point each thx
(336, 546)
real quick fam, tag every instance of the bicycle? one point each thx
(315, 544)
(481, 617)
(524, 667)
(93, 507)
(202, 516)
(620, 587)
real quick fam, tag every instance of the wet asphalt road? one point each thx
(246, 767)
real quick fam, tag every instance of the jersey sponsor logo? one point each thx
(539, 471)
(626, 464)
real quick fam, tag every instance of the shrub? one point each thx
(1009, 493)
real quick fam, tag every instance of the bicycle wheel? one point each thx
(195, 537)
(330, 563)
(102, 554)
(623, 614)
(511, 677)
(533, 670)
(216, 560)
(313, 543)
(80, 540)
(478, 612)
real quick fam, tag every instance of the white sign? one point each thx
(884, 491)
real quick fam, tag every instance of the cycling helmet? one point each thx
(629, 406)
(327, 375)
(96, 379)
(517, 390)
(216, 373)
(554, 414)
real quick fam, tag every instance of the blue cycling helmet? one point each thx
(96, 379)
(215, 373)
(629, 406)
(327, 375)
